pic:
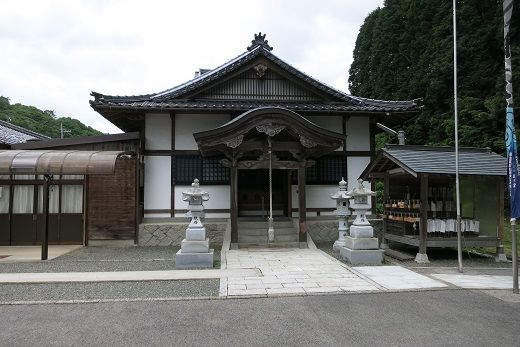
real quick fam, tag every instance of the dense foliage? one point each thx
(405, 51)
(43, 122)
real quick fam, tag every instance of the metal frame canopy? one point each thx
(56, 162)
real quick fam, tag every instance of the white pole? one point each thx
(455, 108)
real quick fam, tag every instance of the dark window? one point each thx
(327, 170)
(207, 170)
(213, 172)
(187, 168)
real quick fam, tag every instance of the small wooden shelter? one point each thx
(419, 195)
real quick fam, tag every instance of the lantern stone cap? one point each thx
(195, 191)
(342, 193)
(360, 190)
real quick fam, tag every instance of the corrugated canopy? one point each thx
(58, 162)
(436, 160)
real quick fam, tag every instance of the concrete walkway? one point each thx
(268, 272)
(307, 271)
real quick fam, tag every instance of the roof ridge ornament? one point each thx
(260, 41)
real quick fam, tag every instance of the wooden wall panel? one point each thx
(111, 203)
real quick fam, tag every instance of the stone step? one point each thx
(264, 224)
(273, 245)
(263, 231)
(263, 238)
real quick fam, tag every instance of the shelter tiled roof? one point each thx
(11, 134)
(437, 160)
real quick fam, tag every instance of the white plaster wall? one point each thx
(158, 127)
(187, 124)
(157, 182)
(317, 196)
(358, 134)
(332, 123)
(218, 199)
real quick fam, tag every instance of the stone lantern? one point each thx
(342, 212)
(195, 251)
(361, 247)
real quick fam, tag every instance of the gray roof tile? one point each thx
(11, 134)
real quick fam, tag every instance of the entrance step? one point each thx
(263, 238)
(253, 232)
(264, 224)
(273, 245)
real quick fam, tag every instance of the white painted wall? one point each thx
(218, 199)
(157, 134)
(358, 134)
(332, 123)
(187, 124)
(157, 182)
(356, 165)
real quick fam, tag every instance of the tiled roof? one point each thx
(247, 105)
(172, 98)
(11, 134)
(438, 160)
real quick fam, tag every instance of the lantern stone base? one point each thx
(361, 231)
(196, 234)
(185, 260)
(362, 256)
(361, 243)
(189, 246)
(338, 244)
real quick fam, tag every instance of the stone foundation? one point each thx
(327, 230)
(172, 233)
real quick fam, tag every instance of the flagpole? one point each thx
(455, 108)
(512, 154)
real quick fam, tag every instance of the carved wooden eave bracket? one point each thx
(301, 137)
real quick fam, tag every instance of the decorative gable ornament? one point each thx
(260, 70)
(260, 41)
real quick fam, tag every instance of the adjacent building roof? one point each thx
(11, 134)
(436, 160)
(182, 97)
(76, 141)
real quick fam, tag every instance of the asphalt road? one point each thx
(435, 318)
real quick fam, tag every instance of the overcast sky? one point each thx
(54, 53)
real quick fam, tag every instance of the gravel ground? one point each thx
(106, 258)
(108, 290)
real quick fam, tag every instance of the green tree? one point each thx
(43, 122)
(404, 50)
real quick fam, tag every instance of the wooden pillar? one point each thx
(302, 208)
(233, 202)
(289, 193)
(386, 197)
(173, 164)
(45, 229)
(424, 213)
(86, 197)
(137, 198)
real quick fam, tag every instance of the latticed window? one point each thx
(328, 170)
(213, 172)
(207, 170)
